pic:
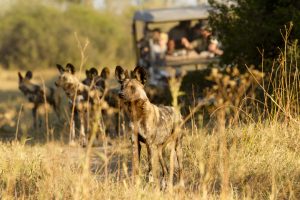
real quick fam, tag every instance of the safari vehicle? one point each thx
(146, 20)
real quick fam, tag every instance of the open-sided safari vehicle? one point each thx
(145, 22)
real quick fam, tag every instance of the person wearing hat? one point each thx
(158, 46)
(203, 42)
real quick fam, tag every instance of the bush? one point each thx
(38, 35)
(251, 25)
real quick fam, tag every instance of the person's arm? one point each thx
(213, 47)
(186, 43)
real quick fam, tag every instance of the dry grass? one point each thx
(263, 163)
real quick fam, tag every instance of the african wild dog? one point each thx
(35, 94)
(110, 108)
(156, 125)
(96, 81)
(82, 97)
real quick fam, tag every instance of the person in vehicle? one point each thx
(203, 42)
(178, 36)
(158, 46)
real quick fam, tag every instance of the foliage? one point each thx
(40, 35)
(249, 28)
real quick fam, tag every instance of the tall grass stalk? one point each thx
(18, 122)
(281, 89)
(46, 110)
(82, 49)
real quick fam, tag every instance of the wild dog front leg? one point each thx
(143, 140)
(162, 161)
(136, 148)
(179, 155)
(149, 161)
(154, 164)
(163, 166)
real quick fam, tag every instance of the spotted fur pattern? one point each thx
(82, 97)
(36, 95)
(156, 125)
(110, 107)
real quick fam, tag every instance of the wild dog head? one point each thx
(66, 76)
(30, 90)
(101, 81)
(72, 86)
(67, 79)
(90, 74)
(96, 81)
(132, 88)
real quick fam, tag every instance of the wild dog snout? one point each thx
(121, 95)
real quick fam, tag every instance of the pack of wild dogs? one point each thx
(92, 100)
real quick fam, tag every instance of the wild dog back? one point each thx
(32, 91)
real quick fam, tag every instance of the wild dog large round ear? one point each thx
(20, 76)
(28, 75)
(87, 73)
(120, 74)
(140, 74)
(105, 73)
(94, 72)
(70, 68)
(60, 68)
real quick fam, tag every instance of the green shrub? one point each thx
(252, 25)
(39, 35)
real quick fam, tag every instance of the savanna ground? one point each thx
(260, 160)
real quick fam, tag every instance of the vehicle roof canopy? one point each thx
(172, 14)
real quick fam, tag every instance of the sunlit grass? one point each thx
(263, 162)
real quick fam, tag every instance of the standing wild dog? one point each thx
(36, 95)
(156, 125)
(82, 98)
(110, 106)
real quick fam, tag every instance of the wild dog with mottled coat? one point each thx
(36, 95)
(82, 98)
(110, 107)
(156, 125)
